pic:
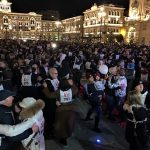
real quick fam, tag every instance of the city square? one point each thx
(75, 75)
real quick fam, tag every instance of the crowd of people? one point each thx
(39, 84)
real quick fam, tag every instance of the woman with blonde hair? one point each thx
(136, 130)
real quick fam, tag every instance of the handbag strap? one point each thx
(29, 143)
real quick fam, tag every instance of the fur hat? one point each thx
(31, 107)
(27, 102)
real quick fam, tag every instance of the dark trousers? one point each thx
(119, 107)
(111, 104)
(98, 111)
(49, 115)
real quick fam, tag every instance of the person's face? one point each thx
(113, 70)
(91, 79)
(139, 88)
(97, 78)
(54, 74)
(8, 101)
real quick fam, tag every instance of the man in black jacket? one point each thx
(50, 103)
(7, 117)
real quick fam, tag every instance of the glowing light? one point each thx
(57, 23)
(123, 32)
(4, 2)
(25, 40)
(101, 8)
(98, 141)
(54, 45)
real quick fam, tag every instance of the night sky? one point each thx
(67, 8)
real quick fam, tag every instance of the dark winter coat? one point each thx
(137, 134)
(7, 117)
(65, 115)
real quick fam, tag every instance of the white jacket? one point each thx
(38, 142)
(13, 130)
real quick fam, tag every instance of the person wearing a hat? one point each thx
(137, 85)
(9, 135)
(64, 70)
(30, 108)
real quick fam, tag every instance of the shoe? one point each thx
(97, 130)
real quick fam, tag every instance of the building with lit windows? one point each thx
(102, 21)
(51, 30)
(138, 23)
(99, 23)
(31, 26)
(26, 25)
(72, 28)
(18, 25)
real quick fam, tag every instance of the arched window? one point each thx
(5, 19)
(32, 21)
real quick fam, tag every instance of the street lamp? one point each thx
(58, 23)
(101, 15)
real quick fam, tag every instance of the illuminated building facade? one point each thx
(98, 23)
(31, 25)
(51, 30)
(101, 21)
(18, 25)
(72, 28)
(138, 23)
(26, 25)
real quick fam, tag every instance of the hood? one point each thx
(31, 111)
